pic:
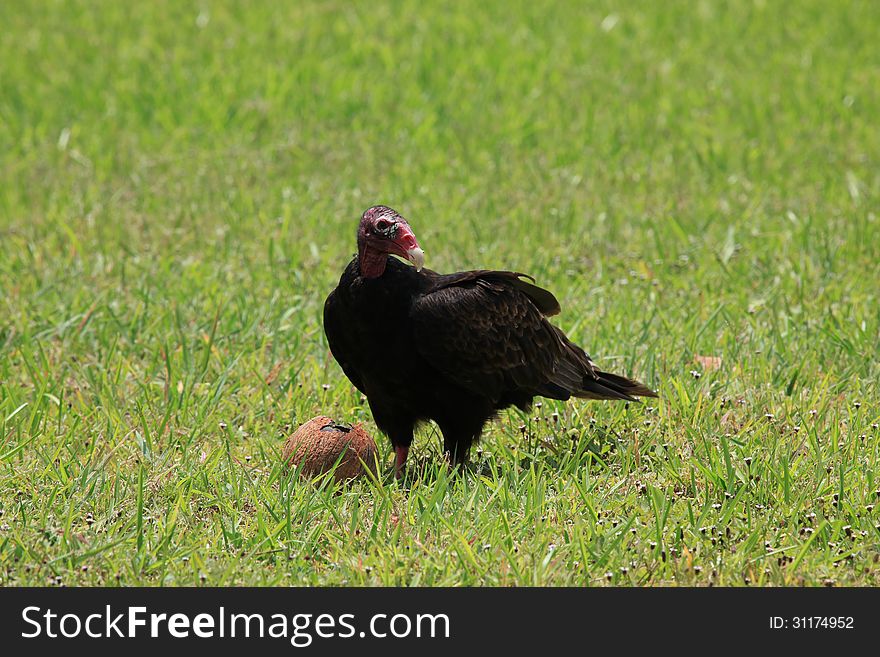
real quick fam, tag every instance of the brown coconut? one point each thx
(320, 442)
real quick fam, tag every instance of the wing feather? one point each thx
(337, 331)
(487, 333)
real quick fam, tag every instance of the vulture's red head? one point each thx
(383, 232)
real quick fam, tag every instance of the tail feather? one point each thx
(613, 386)
(576, 374)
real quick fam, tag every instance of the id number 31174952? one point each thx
(812, 623)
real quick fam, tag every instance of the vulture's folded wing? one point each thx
(339, 339)
(486, 331)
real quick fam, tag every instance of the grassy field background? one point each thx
(698, 182)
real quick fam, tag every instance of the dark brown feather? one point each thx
(456, 349)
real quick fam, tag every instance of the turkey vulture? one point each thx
(452, 348)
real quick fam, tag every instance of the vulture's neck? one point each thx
(372, 262)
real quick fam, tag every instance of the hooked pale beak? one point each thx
(406, 246)
(417, 257)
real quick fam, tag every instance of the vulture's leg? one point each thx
(401, 440)
(457, 441)
(457, 452)
(400, 454)
(400, 431)
(461, 425)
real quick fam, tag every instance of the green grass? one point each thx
(179, 189)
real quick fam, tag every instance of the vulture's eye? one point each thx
(383, 224)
